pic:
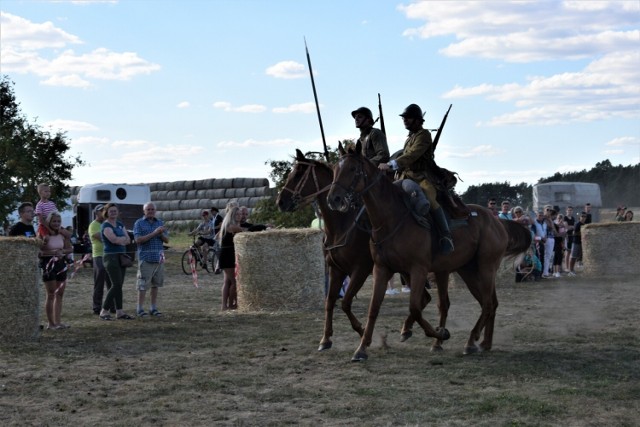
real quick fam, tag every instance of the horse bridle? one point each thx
(296, 195)
(351, 193)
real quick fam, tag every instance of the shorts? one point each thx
(209, 242)
(150, 274)
(53, 271)
(576, 251)
(569, 242)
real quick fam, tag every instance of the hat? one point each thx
(98, 208)
(364, 111)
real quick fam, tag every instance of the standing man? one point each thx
(504, 212)
(491, 205)
(150, 235)
(100, 276)
(571, 222)
(587, 211)
(374, 141)
(414, 162)
(24, 227)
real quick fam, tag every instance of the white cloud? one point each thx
(613, 152)
(71, 125)
(287, 70)
(624, 141)
(255, 143)
(183, 104)
(249, 108)
(307, 107)
(606, 33)
(90, 140)
(25, 46)
(479, 151)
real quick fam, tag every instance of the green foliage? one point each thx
(266, 210)
(29, 156)
(518, 195)
(618, 184)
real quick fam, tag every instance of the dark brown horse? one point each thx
(347, 236)
(399, 244)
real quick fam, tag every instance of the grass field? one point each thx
(566, 352)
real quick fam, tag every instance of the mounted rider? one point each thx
(416, 163)
(374, 141)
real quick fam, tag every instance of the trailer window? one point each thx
(103, 195)
(121, 193)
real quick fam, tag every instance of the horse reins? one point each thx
(296, 192)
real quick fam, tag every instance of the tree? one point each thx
(519, 194)
(29, 156)
(266, 210)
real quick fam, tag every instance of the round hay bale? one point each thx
(192, 194)
(611, 249)
(188, 185)
(280, 270)
(162, 205)
(20, 289)
(174, 205)
(204, 204)
(188, 204)
(217, 193)
(223, 183)
(153, 187)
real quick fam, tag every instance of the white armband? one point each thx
(393, 165)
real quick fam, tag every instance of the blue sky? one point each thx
(170, 90)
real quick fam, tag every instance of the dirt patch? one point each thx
(566, 351)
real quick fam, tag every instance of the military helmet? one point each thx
(364, 111)
(412, 112)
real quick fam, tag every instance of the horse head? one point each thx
(352, 176)
(303, 183)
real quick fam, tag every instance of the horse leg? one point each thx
(442, 280)
(481, 284)
(416, 306)
(358, 277)
(488, 327)
(336, 277)
(380, 278)
(407, 332)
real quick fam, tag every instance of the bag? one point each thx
(125, 260)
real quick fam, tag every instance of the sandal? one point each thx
(155, 313)
(124, 317)
(105, 317)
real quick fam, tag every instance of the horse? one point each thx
(347, 236)
(400, 244)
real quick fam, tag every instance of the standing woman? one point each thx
(53, 250)
(115, 238)
(230, 226)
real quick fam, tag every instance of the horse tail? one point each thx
(519, 237)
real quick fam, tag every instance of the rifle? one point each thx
(381, 116)
(315, 96)
(444, 120)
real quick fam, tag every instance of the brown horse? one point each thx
(399, 244)
(347, 236)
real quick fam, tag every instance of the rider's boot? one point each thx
(446, 241)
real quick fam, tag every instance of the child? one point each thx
(43, 208)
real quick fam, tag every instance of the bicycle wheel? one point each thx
(186, 266)
(214, 256)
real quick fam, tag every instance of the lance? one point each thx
(381, 116)
(444, 120)
(315, 97)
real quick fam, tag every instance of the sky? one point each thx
(159, 90)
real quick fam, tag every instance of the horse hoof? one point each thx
(470, 350)
(325, 346)
(405, 336)
(436, 349)
(444, 334)
(359, 357)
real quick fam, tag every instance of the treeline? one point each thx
(618, 185)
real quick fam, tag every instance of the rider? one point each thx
(413, 163)
(374, 141)
(206, 235)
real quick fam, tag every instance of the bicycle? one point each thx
(195, 252)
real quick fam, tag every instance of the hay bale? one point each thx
(611, 249)
(20, 289)
(280, 270)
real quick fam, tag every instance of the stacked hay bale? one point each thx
(20, 290)
(611, 249)
(280, 270)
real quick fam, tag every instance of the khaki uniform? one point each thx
(414, 161)
(374, 145)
